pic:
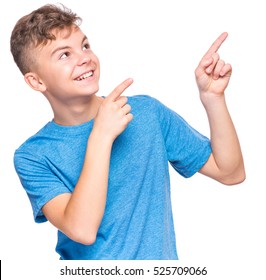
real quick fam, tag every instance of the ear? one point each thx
(34, 81)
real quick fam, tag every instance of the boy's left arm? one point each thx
(212, 75)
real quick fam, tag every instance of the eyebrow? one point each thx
(66, 47)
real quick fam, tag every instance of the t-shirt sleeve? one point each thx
(39, 182)
(187, 149)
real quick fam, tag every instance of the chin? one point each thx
(91, 90)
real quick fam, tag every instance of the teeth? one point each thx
(89, 74)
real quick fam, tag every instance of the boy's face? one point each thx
(67, 67)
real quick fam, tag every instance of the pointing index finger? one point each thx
(216, 44)
(119, 90)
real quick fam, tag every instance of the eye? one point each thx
(64, 55)
(86, 46)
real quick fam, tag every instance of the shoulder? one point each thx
(34, 146)
(151, 106)
(145, 99)
(145, 103)
(30, 140)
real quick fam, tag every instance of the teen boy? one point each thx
(98, 174)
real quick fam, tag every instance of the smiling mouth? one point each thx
(85, 76)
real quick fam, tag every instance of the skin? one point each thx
(212, 76)
(74, 101)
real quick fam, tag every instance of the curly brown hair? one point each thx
(36, 29)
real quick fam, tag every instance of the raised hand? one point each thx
(212, 73)
(114, 113)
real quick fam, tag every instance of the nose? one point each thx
(83, 58)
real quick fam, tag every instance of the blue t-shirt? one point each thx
(138, 221)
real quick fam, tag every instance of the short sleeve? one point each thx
(39, 182)
(187, 149)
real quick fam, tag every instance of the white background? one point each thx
(158, 44)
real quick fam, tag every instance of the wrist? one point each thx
(100, 137)
(209, 99)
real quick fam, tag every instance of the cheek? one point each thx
(62, 74)
(57, 79)
(96, 60)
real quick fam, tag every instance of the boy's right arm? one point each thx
(78, 215)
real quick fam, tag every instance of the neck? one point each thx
(75, 114)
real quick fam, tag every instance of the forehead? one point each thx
(64, 38)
